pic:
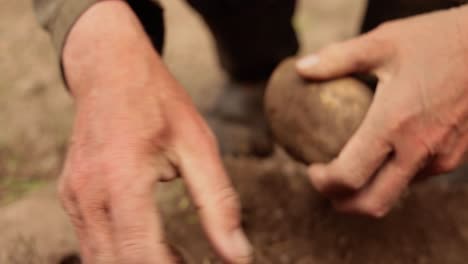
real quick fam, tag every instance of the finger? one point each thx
(96, 233)
(392, 180)
(137, 229)
(216, 199)
(357, 55)
(450, 159)
(69, 203)
(357, 163)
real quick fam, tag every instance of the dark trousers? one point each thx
(252, 37)
(379, 11)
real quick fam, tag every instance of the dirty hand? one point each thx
(418, 122)
(135, 127)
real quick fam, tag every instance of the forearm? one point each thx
(109, 49)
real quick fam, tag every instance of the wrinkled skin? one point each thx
(135, 126)
(417, 124)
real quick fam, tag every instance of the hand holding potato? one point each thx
(418, 122)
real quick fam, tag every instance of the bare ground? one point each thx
(286, 220)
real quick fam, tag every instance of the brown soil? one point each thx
(284, 218)
(289, 223)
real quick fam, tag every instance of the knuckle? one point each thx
(224, 200)
(347, 181)
(76, 186)
(67, 197)
(338, 187)
(385, 28)
(447, 165)
(351, 183)
(337, 182)
(134, 251)
(228, 204)
(131, 248)
(77, 179)
(82, 182)
(228, 199)
(380, 39)
(82, 193)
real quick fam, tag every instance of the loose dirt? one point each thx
(285, 219)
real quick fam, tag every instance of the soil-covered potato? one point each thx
(312, 121)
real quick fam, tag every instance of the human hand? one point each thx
(135, 127)
(418, 122)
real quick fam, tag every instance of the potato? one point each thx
(312, 121)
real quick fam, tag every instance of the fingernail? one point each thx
(307, 62)
(241, 246)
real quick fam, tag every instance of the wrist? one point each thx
(97, 56)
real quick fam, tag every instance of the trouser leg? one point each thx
(379, 11)
(252, 36)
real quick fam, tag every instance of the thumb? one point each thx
(362, 54)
